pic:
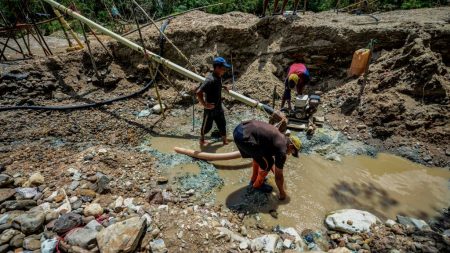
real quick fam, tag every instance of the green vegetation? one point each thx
(100, 10)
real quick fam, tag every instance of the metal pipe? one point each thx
(154, 56)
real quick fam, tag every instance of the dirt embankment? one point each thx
(403, 107)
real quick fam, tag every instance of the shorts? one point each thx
(210, 116)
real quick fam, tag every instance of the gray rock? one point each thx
(351, 221)
(83, 237)
(27, 193)
(4, 248)
(74, 185)
(144, 113)
(122, 236)
(93, 209)
(268, 243)
(93, 224)
(77, 204)
(67, 222)
(49, 245)
(390, 223)
(6, 181)
(232, 235)
(8, 217)
(51, 215)
(6, 194)
(25, 204)
(301, 245)
(102, 183)
(30, 222)
(446, 236)
(158, 246)
(243, 245)
(287, 243)
(17, 241)
(7, 235)
(157, 108)
(418, 224)
(36, 179)
(31, 243)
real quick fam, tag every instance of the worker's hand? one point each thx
(227, 88)
(209, 106)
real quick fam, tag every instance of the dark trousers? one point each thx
(210, 116)
(251, 150)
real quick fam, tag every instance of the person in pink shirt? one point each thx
(298, 77)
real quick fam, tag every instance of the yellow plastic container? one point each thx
(359, 62)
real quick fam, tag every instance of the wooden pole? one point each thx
(304, 6)
(91, 56)
(143, 46)
(67, 26)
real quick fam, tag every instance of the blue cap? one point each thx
(221, 61)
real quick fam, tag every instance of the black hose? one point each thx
(76, 107)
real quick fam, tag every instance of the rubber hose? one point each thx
(75, 107)
(208, 156)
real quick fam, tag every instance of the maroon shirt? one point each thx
(268, 141)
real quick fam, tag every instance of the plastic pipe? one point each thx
(208, 156)
(154, 56)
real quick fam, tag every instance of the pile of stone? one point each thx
(35, 219)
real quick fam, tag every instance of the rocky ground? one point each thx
(81, 179)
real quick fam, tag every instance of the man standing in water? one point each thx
(268, 147)
(213, 112)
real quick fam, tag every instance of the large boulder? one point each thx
(351, 221)
(122, 236)
(30, 222)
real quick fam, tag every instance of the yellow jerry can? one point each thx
(359, 62)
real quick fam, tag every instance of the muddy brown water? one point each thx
(386, 185)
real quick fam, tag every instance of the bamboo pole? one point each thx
(67, 27)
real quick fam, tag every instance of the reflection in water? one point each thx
(362, 196)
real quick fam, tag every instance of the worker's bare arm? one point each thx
(279, 180)
(202, 101)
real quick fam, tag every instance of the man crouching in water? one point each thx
(268, 147)
(213, 112)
